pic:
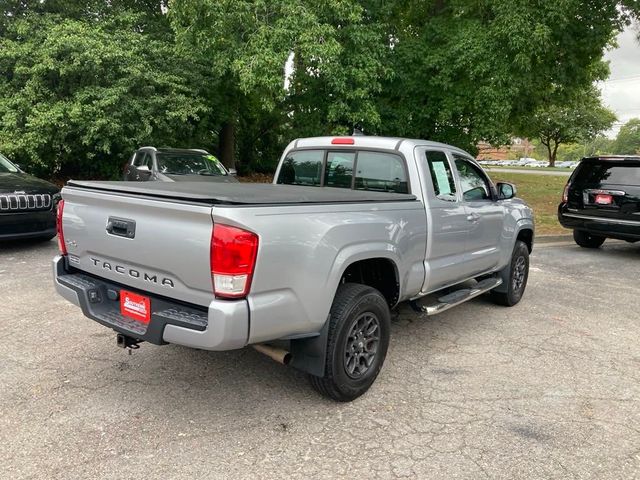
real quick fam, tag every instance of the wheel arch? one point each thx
(525, 234)
(308, 354)
(380, 273)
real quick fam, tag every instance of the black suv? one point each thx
(27, 204)
(602, 200)
(175, 165)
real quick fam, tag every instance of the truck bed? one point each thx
(243, 193)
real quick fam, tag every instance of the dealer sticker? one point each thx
(135, 306)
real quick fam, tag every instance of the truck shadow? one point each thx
(31, 245)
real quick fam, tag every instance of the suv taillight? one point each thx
(61, 245)
(233, 258)
(565, 193)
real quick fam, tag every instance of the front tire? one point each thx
(517, 274)
(357, 343)
(587, 240)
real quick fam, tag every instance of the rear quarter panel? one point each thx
(304, 250)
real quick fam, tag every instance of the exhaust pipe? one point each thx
(277, 354)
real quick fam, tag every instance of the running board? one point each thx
(457, 297)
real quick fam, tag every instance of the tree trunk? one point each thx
(549, 154)
(227, 144)
(552, 160)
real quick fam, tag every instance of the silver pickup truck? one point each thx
(306, 269)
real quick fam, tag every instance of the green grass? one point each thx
(543, 193)
(529, 169)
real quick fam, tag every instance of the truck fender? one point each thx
(523, 224)
(309, 354)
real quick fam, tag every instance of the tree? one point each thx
(452, 70)
(337, 54)
(628, 140)
(466, 71)
(84, 84)
(579, 118)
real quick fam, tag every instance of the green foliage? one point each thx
(628, 139)
(337, 52)
(472, 70)
(85, 82)
(577, 118)
(79, 95)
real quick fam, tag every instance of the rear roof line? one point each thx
(614, 157)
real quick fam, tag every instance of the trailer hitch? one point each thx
(124, 341)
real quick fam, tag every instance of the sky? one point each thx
(621, 92)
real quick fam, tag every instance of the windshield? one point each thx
(189, 164)
(6, 166)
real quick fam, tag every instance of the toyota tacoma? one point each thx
(306, 269)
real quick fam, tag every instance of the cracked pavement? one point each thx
(547, 389)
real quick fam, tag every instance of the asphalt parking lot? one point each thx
(547, 389)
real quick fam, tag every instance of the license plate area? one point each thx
(603, 198)
(135, 306)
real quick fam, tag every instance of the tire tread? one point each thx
(347, 296)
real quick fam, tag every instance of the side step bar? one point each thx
(457, 297)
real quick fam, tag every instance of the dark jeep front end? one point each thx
(27, 204)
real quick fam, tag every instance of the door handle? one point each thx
(121, 227)
(473, 217)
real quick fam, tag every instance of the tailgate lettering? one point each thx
(133, 273)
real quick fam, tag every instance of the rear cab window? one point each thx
(353, 169)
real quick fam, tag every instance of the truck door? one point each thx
(485, 216)
(447, 225)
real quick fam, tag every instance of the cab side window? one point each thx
(303, 167)
(444, 185)
(473, 182)
(381, 172)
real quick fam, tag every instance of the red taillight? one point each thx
(233, 257)
(61, 245)
(342, 141)
(565, 193)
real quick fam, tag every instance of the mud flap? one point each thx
(309, 355)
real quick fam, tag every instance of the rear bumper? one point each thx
(27, 225)
(224, 325)
(607, 227)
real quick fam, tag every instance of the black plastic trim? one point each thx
(107, 311)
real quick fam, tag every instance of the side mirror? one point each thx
(232, 171)
(506, 191)
(143, 168)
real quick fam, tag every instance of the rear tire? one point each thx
(517, 275)
(587, 240)
(357, 342)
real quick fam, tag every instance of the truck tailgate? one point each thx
(152, 245)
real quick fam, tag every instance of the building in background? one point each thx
(520, 147)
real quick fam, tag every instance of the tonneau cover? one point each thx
(243, 193)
